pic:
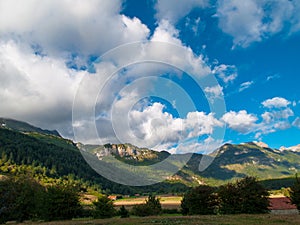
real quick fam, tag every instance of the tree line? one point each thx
(23, 198)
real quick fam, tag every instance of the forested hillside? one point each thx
(51, 158)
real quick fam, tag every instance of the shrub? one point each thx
(123, 212)
(151, 207)
(170, 211)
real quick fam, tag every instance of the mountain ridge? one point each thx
(24, 127)
(230, 161)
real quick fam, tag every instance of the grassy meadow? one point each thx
(265, 219)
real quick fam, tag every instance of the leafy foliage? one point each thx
(104, 208)
(123, 212)
(23, 198)
(295, 193)
(151, 207)
(244, 196)
(200, 200)
(60, 202)
(19, 198)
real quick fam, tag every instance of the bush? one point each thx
(123, 212)
(104, 208)
(200, 200)
(151, 207)
(170, 211)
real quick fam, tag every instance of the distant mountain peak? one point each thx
(24, 127)
(261, 144)
(292, 148)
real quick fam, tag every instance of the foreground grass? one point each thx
(266, 219)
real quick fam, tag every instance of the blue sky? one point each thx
(269, 66)
(55, 69)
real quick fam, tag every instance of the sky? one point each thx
(182, 76)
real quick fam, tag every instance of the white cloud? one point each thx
(207, 146)
(272, 121)
(214, 92)
(277, 114)
(177, 9)
(275, 119)
(296, 122)
(245, 85)
(294, 103)
(273, 77)
(254, 20)
(40, 88)
(282, 125)
(88, 27)
(241, 19)
(160, 130)
(166, 32)
(34, 88)
(227, 73)
(240, 121)
(276, 102)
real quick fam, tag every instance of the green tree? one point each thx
(295, 193)
(60, 202)
(200, 200)
(154, 204)
(230, 199)
(104, 208)
(19, 198)
(244, 196)
(151, 207)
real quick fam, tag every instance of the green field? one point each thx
(265, 219)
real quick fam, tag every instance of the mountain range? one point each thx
(23, 144)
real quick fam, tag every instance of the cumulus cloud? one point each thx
(76, 26)
(161, 130)
(276, 117)
(176, 9)
(38, 41)
(271, 121)
(240, 121)
(276, 102)
(227, 73)
(214, 92)
(255, 20)
(34, 88)
(245, 85)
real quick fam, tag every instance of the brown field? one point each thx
(168, 202)
(266, 219)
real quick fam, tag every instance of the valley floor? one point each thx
(265, 219)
